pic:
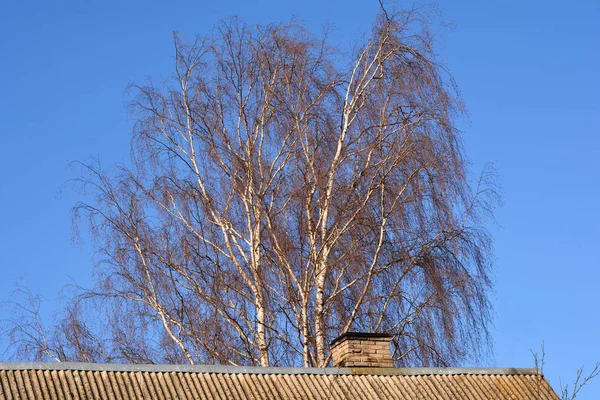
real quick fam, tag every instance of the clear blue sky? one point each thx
(528, 70)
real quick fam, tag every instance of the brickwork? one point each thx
(362, 350)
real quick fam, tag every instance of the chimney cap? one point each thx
(361, 335)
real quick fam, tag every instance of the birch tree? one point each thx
(281, 193)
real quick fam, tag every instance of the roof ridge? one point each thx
(227, 369)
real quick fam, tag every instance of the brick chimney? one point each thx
(359, 349)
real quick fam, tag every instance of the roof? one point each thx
(120, 381)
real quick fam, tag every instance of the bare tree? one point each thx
(282, 193)
(581, 380)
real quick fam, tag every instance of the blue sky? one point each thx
(528, 71)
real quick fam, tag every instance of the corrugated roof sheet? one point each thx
(111, 381)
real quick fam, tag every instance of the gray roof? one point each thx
(122, 381)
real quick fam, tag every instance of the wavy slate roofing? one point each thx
(112, 381)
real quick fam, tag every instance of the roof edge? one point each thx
(226, 369)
